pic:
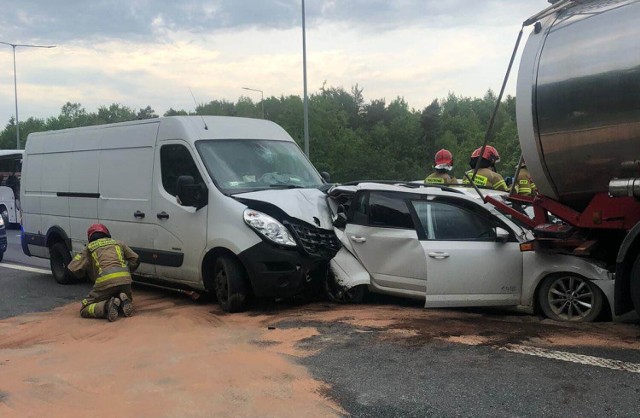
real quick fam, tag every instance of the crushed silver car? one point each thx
(445, 246)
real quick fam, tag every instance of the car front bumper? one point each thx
(278, 272)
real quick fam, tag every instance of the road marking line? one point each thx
(25, 268)
(572, 357)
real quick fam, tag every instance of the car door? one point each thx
(467, 265)
(181, 231)
(383, 237)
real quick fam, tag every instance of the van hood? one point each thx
(308, 205)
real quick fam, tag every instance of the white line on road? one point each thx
(573, 358)
(25, 268)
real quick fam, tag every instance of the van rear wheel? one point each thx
(230, 284)
(59, 259)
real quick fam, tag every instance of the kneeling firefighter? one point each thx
(486, 175)
(108, 263)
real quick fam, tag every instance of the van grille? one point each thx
(316, 241)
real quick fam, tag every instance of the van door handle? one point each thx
(439, 256)
(163, 215)
(138, 215)
(358, 239)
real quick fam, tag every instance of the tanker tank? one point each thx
(578, 99)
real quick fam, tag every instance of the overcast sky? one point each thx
(150, 52)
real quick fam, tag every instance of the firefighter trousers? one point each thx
(94, 304)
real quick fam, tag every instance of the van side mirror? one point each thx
(326, 176)
(191, 194)
(502, 235)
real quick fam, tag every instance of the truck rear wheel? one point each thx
(230, 284)
(635, 284)
(571, 298)
(59, 259)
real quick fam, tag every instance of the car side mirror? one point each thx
(326, 176)
(341, 218)
(191, 194)
(502, 235)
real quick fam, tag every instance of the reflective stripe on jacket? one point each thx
(440, 178)
(106, 262)
(485, 177)
(524, 185)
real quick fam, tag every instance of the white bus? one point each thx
(10, 175)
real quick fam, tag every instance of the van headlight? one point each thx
(268, 227)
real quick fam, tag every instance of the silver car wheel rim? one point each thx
(571, 298)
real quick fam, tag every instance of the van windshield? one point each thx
(238, 166)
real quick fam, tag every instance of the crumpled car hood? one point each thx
(308, 205)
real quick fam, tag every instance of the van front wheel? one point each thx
(230, 284)
(59, 259)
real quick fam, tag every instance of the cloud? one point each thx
(140, 53)
(64, 21)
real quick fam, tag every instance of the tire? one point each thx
(59, 259)
(339, 294)
(635, 284)
(230, 284)
(5, 216)
(1, 256)
(570, 298)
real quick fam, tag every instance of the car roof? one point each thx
(417, 188)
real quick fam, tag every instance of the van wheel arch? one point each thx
(209, 265)
(55, 234)
(59, 246)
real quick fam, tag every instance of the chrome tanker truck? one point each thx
(578, 116)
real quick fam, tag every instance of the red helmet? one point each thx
(97, 228)
(444, 158)
(490, 154)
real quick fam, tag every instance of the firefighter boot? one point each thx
(126, 305)
(111, 309)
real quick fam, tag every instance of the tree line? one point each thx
(348, 137)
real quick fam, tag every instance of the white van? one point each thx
(10, 172)
(222, 204)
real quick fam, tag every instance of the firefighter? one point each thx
(108, 263)
(443, 165)
(524, 185)
(486, 175)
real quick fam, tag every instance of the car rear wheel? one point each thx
(230, 284)
(1, 256)
(59, 259)
(570, 298)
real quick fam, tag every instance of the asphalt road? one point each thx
(425, 374)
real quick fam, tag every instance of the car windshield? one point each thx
(238, 166)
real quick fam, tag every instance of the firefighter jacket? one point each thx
(106, 262)
(486, 177)
(440, 178)
(524, 185)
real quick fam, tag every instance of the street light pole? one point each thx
(15, 81)
(261, 100)
(304, 71)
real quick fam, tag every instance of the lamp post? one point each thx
(261, 100)
(15, 82)
(304, 72)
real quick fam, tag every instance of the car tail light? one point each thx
(528, 246)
